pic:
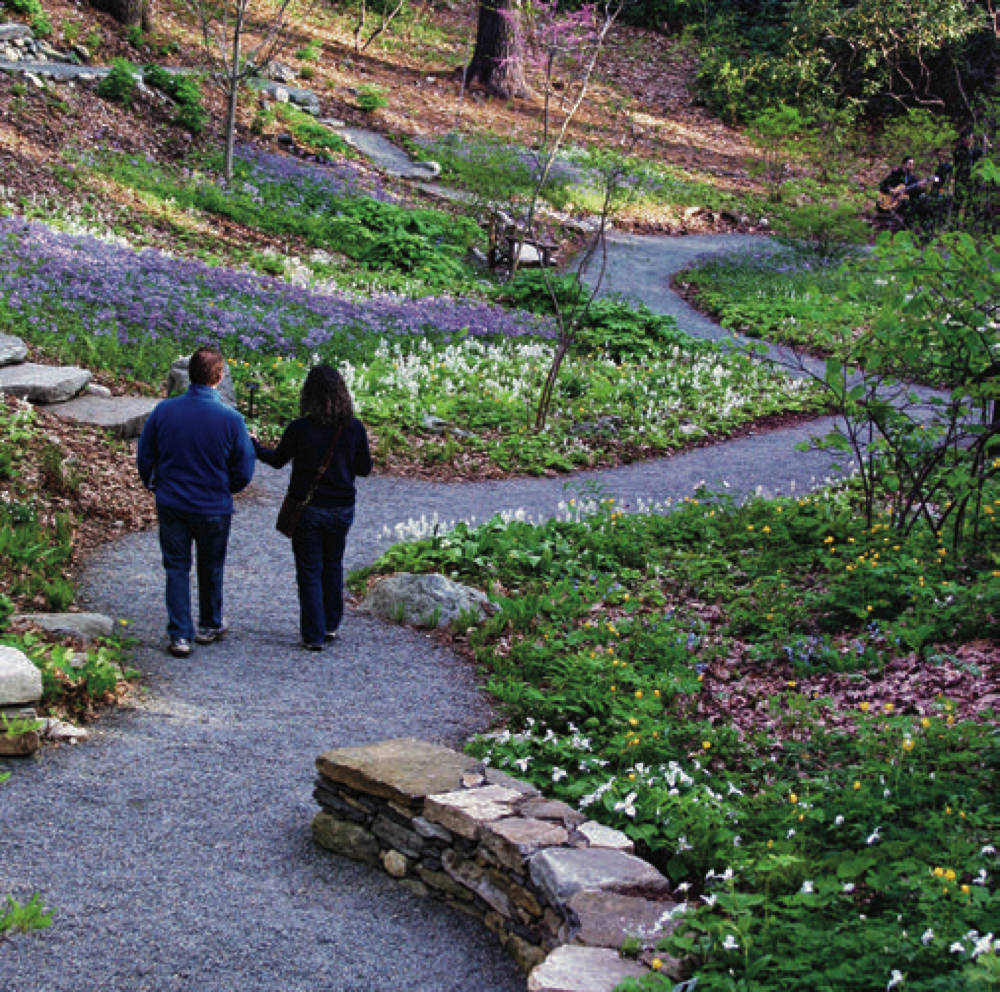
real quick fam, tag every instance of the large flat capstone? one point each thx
(560, 872)
(123, 416)
(43, 383)
(572, 968)
(404, 769)
(20, 679)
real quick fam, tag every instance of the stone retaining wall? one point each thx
(560, 892)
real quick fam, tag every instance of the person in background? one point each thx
(194, 454)
(327, 425)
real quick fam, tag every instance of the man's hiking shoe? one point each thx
(209, 635)
(180, 648)
(331, 635)
(312, 647)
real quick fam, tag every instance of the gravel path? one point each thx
(175, 847)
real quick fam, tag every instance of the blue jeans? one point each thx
(210, 535)
(318, 544)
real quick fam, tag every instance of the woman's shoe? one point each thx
(331, 635)
(312, 647)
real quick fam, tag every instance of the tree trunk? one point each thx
(233, 84)
(130, 13)
(497, 61)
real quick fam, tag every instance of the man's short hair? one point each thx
(205, 367)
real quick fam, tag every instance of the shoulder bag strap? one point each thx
(321, 471)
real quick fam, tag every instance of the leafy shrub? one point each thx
(611, 324)
(371, 98)
(119, 85)
(306, 130)
(185, 90)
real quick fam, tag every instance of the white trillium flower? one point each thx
(807, 887)
(730, 943)
(709, 900)
(558, 774)
(874, 837)
(957, 947)
(839, 821)
(927, 936)
(984, 945)
(626, 805)
(848, 887)
(895, 979)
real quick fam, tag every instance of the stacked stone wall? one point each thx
(561, 892)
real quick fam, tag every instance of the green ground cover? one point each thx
(35, 553)
(720, 682)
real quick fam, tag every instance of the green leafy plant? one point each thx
(185, 90)
(371, 98)
(21, 918)
(119, 85)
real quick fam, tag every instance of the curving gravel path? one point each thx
(174, 846)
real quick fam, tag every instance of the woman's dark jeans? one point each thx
(318, 544)
(210, 536)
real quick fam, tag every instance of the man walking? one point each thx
(194, 453)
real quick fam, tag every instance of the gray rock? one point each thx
(598, 835)
(43, 383)
(20, 679)
(61, 731)
(178, 381)
(424, 600)
(561, 872)
(10, 31)
(81, 52)
(123, 416)
(95, 389)
(13, 350)
(572, 968)
(83, 626)
(347, 839)
(607, 918)
(279, 72)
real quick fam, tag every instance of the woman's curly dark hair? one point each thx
(325, 399)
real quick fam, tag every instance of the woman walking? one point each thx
(325, 432)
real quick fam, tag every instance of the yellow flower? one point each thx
(638, 693)
(950, 874)
(947, 811)
(950, 720)
(766, 529)
(857, 785)
(828, 539)
(793, 798)
(706, 744)
(770, 844)
(869, 608)
(966, 889)
(925, 723)
(633, 722)
(656, 692)
(908, 744)
(791, 683)
(631, 776)
(888, 707)
(656, 964)
(749, 526)
(938, 872)
(864, 706)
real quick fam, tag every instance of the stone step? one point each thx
(43, 383)
(123, 416)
